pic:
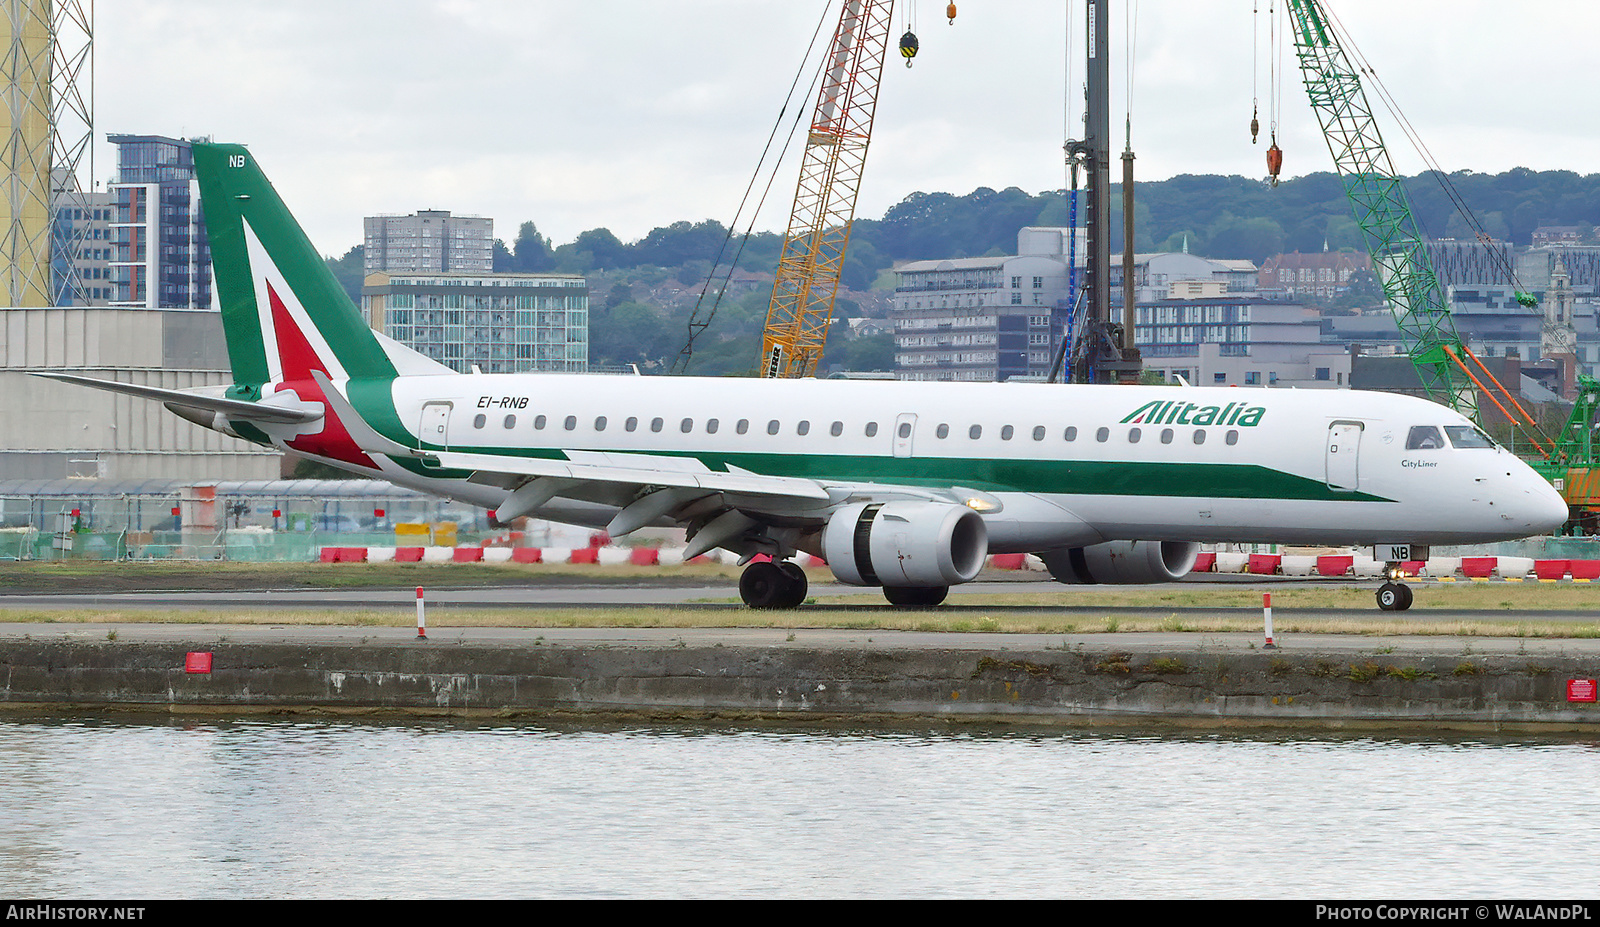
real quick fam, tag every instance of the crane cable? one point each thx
(686, 354)
(1255, 70)
(1131, 39)
(1387, 99)
(1411, 134)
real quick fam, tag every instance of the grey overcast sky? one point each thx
(630, 115)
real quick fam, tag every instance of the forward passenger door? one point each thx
(1344, 455)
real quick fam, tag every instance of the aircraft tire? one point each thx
(916, 596)
(1394, 597)
(772, 585)
(796, 587)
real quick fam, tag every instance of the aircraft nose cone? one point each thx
(1543, 508)
(1555, 509)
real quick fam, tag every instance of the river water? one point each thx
(108, 808)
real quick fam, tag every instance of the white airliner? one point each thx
(902, 485)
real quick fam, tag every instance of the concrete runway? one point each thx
(579, 596)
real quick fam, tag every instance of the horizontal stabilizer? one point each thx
(264, 411)
(363, 434)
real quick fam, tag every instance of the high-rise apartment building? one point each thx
(81, 269)
(498, 323)
(429, 241)
(163, 259)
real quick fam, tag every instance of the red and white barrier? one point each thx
(1444, 569)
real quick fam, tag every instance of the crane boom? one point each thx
(825, 200)
(1378, 202)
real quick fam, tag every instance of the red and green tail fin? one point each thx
(283, 312)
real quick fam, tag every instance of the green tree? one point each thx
(350, 271)
(531, 252)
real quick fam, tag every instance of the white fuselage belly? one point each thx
(1264, 476)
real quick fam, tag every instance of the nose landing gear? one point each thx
(1394, 596)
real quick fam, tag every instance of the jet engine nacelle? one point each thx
(905, 544)
(1122, 562)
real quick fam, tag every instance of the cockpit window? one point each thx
(1467, 436)
(1424, 438)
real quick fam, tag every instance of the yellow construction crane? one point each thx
(825, 200)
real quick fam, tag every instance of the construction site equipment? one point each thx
(825, 200)
(1378, 202)
(1448, 369)
(909, 46)
(1573, 464)
(1103, 349)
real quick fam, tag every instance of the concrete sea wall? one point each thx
(1071, 686)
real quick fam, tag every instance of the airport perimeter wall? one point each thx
(796, 682)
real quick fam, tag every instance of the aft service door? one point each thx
(905, 428)
(436, 424)
(1344, 455)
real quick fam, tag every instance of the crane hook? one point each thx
(950, 11)
(1255, 125)
(908, 46)
(1274, 161)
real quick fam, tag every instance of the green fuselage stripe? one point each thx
(1066, 477)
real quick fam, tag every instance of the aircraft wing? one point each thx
(639, 470)
(264, 411)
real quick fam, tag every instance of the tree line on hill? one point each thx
(1209, 215)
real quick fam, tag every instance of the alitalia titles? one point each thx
(1173, 412)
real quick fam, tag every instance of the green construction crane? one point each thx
(1574, 462)
(1379, 204)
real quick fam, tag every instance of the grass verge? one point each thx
(884, 618)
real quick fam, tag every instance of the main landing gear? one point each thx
(1394, 596)
(773, 585)
(782, 584)
(916, 596)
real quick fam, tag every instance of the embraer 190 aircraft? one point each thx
(902, 485)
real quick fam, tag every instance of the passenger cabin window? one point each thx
(712, 425)
(1071, 434)
(656, 424)
(1006, 432)
(772, 427)
(975, 432)
(1424, 438)
(836, 429)
(872, 429)
(510, 422)
(943, 431)
(1038, 432)
(479, 420)
(905, 429)
(1133, 435)
(1199, 436)
(1103, 435)
(1232, 437)
(743, 426)
(600, 423)
(570, 423)
(686, 426)
(538, 423)
(632, 424)
(1166, 436)
(1467, 436)
(804, 428)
